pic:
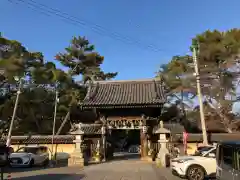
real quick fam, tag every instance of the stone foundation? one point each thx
(76, 161)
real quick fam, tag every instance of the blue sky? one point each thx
(169, 25)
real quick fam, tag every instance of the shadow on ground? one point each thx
(35, 168)
(52, 177)
(120, 156)
(125, 156)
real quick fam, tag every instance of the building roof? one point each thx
(87, 129)
(40, 139)
(130, 93)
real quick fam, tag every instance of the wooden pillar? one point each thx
(103, 130)
(144, 143)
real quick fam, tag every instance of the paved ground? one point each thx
(115, 170)
(126, 170)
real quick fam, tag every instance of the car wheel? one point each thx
(31, 163)
(46, 162)
(195, 172)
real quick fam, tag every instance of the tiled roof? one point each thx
(60, 139)
(87, 129)
(110, 94)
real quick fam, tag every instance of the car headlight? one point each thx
(184, 160)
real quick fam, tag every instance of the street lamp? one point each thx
(20, 80)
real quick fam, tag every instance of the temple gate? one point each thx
(125, 105)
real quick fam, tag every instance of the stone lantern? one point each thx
(163, 151)
(77, 157)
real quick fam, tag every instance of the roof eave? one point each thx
(110, 106)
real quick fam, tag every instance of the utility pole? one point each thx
(54, 121)
(199, 94)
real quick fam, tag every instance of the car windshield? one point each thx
(202, 151)
(28, 150)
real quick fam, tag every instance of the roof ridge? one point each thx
(126, 81)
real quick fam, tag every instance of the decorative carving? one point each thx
(75, 127)
(103, 119)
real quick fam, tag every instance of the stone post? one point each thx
(77, 157)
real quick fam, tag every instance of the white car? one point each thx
(195, 167)
(30, 156)
(134, 149)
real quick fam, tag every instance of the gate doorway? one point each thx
(126, 143)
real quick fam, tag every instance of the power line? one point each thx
(46, 10)
(49, 11)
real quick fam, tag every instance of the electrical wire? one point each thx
(67, 18)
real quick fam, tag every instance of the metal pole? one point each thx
(8, 143)
(54, 121)
(199, 93)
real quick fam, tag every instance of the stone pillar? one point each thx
(77, 157)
